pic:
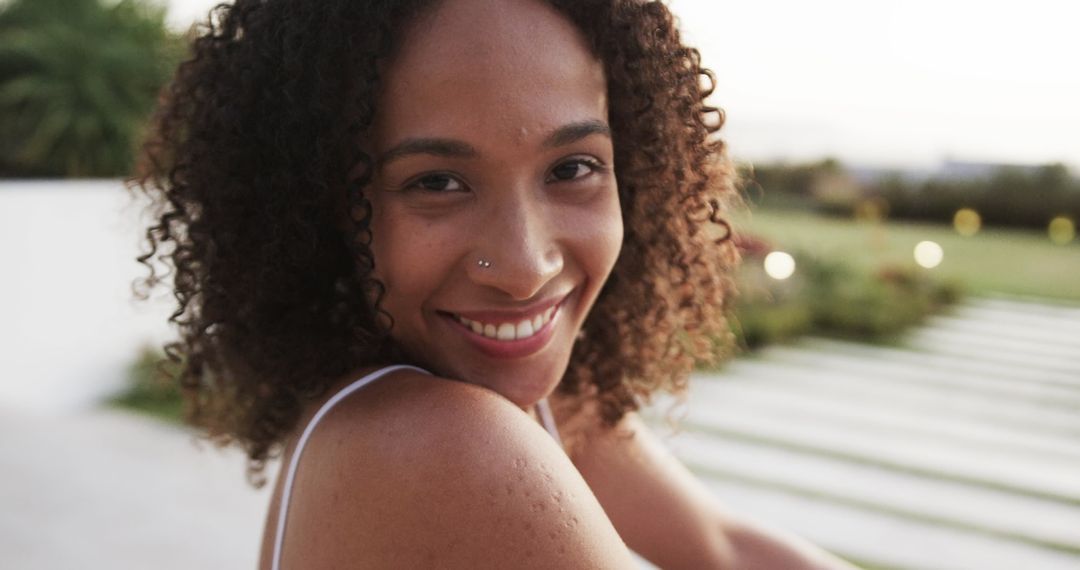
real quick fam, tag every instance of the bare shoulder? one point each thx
(420, 471)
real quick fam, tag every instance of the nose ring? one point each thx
(483, 263)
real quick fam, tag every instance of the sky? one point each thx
(885, 84)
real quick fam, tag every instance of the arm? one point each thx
(665, 514)
(424, 473)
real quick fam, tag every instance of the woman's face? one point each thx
(496, 214)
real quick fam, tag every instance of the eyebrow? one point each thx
(438, 147)
(576, 131)
(452, 148)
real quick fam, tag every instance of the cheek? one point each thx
(614, 236)
(405, 258)
(409, 256)
(598, 234)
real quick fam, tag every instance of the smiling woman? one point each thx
(411, 224)
(501, 154)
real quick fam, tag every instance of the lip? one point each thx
(509, 349)
(511, 316)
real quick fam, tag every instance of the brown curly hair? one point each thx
(267, 242)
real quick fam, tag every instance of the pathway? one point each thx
(959, 450)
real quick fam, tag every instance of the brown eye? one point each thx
(437, 183)
(573, 169)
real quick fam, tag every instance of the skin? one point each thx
(489, 148)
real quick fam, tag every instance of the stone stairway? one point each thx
(958, 449)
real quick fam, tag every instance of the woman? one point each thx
(519, 198)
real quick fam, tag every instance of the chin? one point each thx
(522, 383)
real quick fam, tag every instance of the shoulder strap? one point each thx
(543, 409)
(290, 474)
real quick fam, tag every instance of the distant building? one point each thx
(948, 170)
(962, 170)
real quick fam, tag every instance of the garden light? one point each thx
(1062, 230)
(779, 265)
(928, 254)
(967, 222)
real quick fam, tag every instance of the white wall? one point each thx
(69, 325)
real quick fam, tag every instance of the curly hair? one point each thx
(268, 243)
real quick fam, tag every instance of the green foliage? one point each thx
(830, 298)
(152, 388)
(78, 80)
(789, 185)
(1009, 196)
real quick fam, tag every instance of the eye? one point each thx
(574, 169)
(436, 183)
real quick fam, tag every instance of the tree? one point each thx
(78, 80)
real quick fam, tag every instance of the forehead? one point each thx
(490, 68)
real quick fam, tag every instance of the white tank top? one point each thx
(542, 410)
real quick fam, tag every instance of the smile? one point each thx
(509, 334)
(507, 331)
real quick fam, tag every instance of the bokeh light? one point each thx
(928, 254)
(779, 265)
(967, 222)
(1062, 230)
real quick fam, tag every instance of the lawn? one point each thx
(1009, 261)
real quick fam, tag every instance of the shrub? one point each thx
(152, 388)
(1006, 196)
(829, 298)
(78, 80)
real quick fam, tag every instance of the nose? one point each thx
(517, 250)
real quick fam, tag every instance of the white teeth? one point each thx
(524, 329)
(510, 331)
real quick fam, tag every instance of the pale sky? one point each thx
(884, 83)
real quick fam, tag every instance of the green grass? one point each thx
(1009, 261)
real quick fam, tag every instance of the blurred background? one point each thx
(907, 384)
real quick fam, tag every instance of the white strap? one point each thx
(286, 492)
(547, 420)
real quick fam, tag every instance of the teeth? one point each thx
(509, 331)
(524, 329)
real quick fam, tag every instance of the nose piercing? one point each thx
(483, 263)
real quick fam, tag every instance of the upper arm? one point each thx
(658, 507)
(667, 515)
(456, 477)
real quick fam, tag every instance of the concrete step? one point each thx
(992, 349)
(997, 515)
(863, 390)
(1053, 478)
(1057, 336)
(1022, 309)
(914, 370)
(881, 540)
(812, 407)
(1017, 372)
